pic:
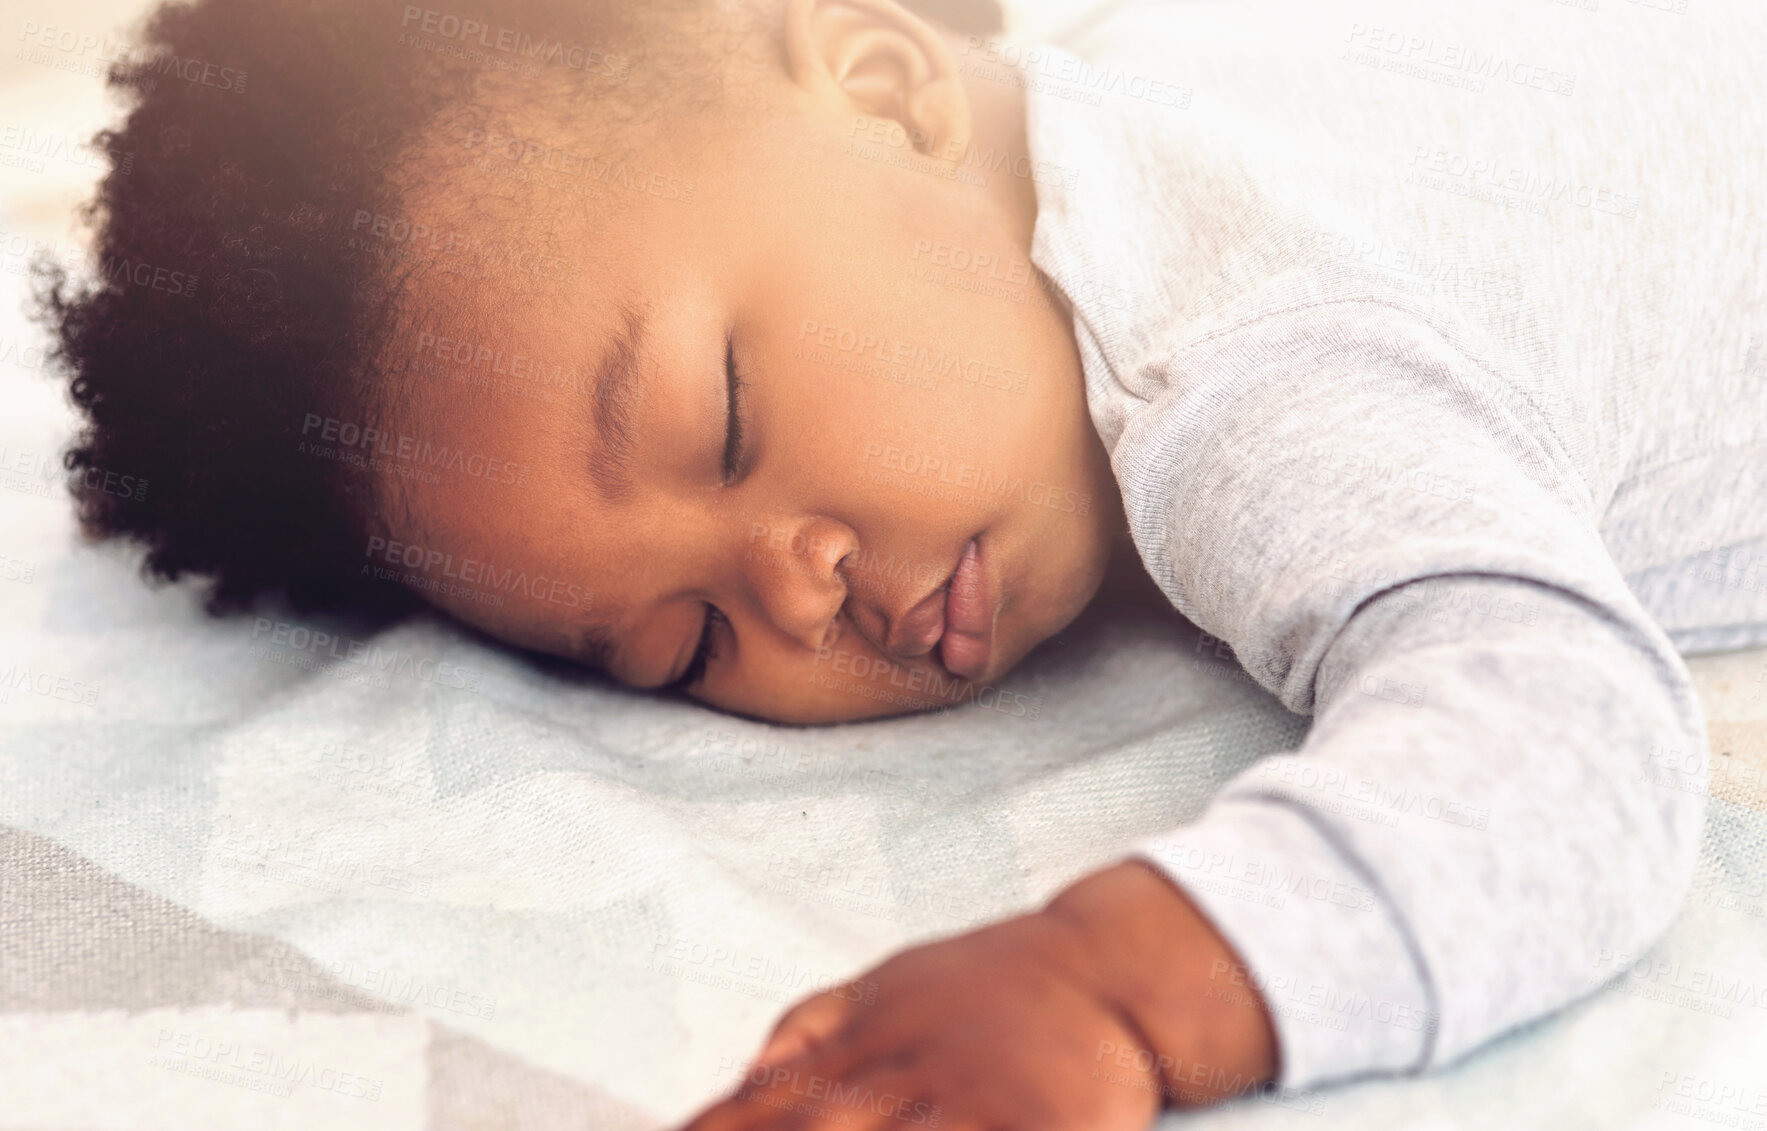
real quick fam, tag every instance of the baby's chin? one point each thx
(867, 689)
(858, 688)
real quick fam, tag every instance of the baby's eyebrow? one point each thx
(618, 383)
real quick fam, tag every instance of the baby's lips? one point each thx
(964, 655)
(969, 618)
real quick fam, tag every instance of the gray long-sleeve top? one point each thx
(1429, 342)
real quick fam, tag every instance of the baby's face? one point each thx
(760, 425)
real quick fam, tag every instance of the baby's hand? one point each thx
(998, 1028)
(1018, 1026)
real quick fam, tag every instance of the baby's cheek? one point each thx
(841, 683)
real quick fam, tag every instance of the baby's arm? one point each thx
(1482, 824)
(1474, 833)
(1491, 696)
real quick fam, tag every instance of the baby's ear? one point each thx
(876, 59)
(966, 17)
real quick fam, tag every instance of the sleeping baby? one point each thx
(819, 359)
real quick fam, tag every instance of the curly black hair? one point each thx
(230, 307)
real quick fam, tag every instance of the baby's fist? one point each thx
(1000, 1028)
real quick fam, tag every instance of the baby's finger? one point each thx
(886, 1096)
(806, 1025)
(880, 1098)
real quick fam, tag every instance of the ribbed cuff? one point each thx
(1317, 939)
